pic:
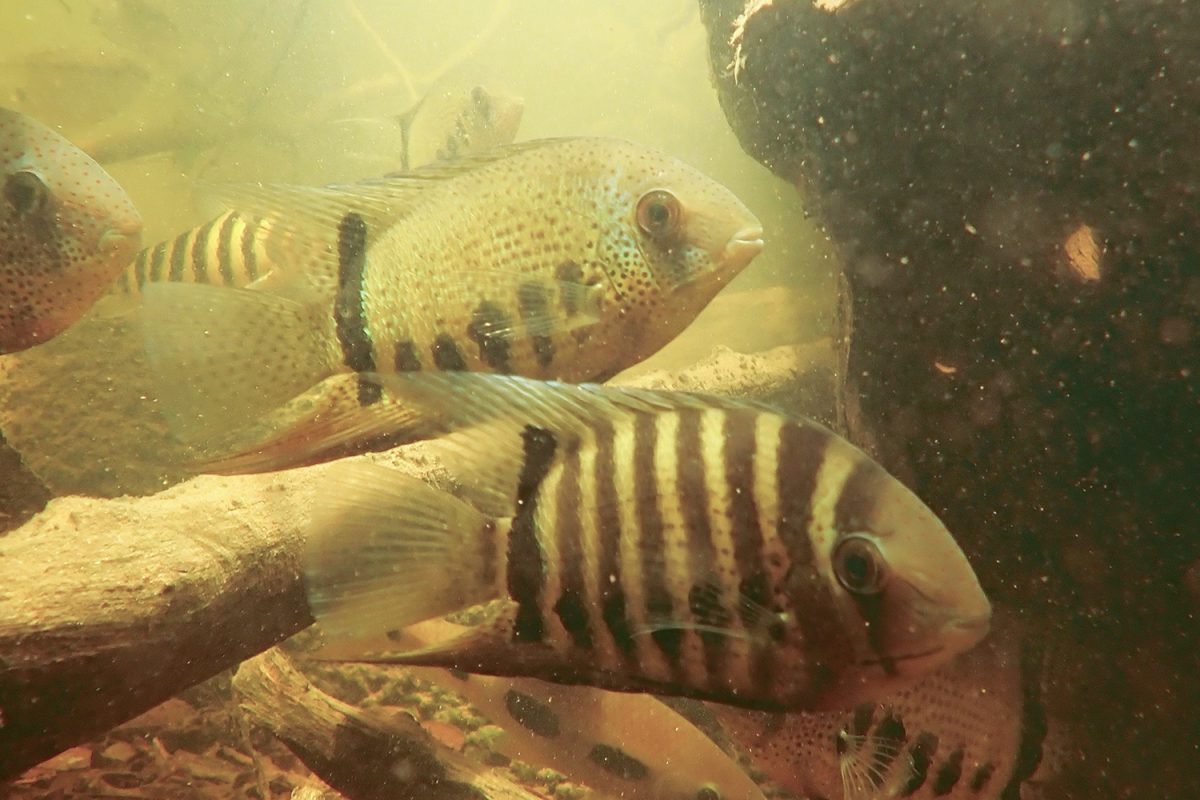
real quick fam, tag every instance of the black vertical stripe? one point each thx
(158, 260)
(533, 302)
(569, 606)
(982, 776)
(224, 247)
(1033, 720)
(948, 774)
(660, 608)
(139, 267)
(123, 284)
(446, 354)
(348, 312)
(571, 275)
(249, 256)
(406, 358)
(740, 453)
(920, 757)
(526, 561)
(799, 456)
(857, 499)
(890, 730)
(200, 246)
(705, 598)
(608, 527)
(179, 254)
(490, 329)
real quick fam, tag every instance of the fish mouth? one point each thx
(743, 245)
(125, 237)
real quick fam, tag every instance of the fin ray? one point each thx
(386, 550)
(222, 356)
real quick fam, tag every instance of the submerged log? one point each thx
(364, 754)
(1012, 188)
(108, 608)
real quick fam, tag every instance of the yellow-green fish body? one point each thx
(569, 259)
(619, 745)
(972, 730)
(643, 541)
(66, 230)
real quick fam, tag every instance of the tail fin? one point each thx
(221, 358)
(386, 550)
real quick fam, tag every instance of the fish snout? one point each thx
(743, 246)
(123, 237)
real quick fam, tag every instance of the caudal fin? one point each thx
(385, 550)
(221, 358)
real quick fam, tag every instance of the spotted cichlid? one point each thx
(973, 730)
(66, 230)
(642, 541)
(566, 258)
(619, 745)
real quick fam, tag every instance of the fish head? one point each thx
(493, 117)
(906, 598)
(676, 238)
(66, 226)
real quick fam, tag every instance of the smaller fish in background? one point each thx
(619, 745)
(67, 229)
(973, 730)
(456, 119)
(640, 541)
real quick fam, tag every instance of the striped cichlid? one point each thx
(567, 258)
(66, 230)
(974, 729)
(618, 744)
(641, 541)
(455, 119)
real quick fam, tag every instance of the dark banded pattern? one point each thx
(658, 608)
(526, 561)
(571, 605)
(225, 251)
(349, 314)
(609, 533)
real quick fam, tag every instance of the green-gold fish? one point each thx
(566, 258)
(640, 541)
(67, 229)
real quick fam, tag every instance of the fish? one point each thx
(973, 729)
(67, 229)
(569, 259)
(456, 119)
(643, 541)
(615, 744)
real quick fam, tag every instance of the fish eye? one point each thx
(25, 191)
(658, 213)
(708, 792)
(859, 565)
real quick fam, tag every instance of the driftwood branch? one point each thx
(107, 608)
(364, 754)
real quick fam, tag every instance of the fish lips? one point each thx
(742, 247)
